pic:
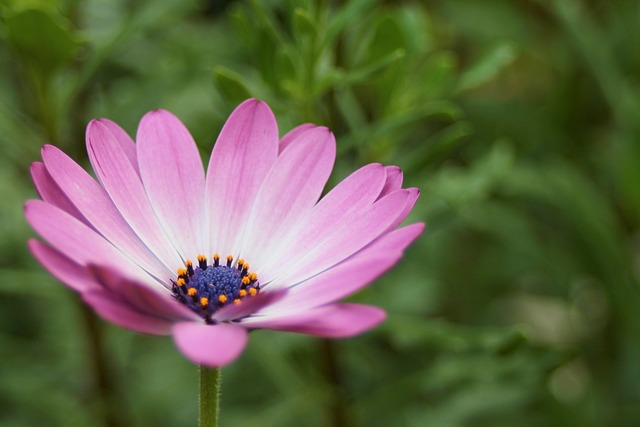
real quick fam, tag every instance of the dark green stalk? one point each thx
(210, 380)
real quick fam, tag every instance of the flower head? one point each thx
(158, 246)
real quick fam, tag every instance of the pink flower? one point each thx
(141, 245)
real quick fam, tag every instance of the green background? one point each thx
(518, 120)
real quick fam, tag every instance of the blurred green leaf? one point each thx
(231, 85)
(488, 67)
(43, 37)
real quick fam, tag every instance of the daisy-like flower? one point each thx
(159, 247)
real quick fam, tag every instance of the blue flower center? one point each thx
(206, 288)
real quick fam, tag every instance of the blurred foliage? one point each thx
(517, 119)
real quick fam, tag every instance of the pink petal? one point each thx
(332, 321)
(293, 135)
(93, 202)
(74, 239)
(414, 193)
(394, 181)
(62, 268)
(116, 311)
(210, 345)
(330, 242)
(242, 156)
(51, 193)
(125, 141)
(398, 239)
(173, 176)
(291, 188)
(123, 184)
(351, 275)
(140, 296)
(336, 283)
(248, 305)
(350, 197)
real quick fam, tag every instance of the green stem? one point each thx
(210, 379)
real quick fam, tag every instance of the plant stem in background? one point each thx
(114, 412)
(210, 379)
(336, 409)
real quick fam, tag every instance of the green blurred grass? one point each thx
(517, 119)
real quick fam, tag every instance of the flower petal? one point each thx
(242, 156)
(93, 202)
(332, 321)
(125, 141)
(351, 275)
(351, 196)
(74, 239)
(330, 242)
(336, 283)
(291, 188)
(114, 310)
(248, 305)
(293, 134)
(123, 184)
(140, 296)
(210, 345)
(398, 239)
(62, 268)
(414, 193)
(173, 176)
(394, 181)
(51, 193)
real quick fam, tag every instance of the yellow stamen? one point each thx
(216, 256)
(229, 257)
(243, 293)
(202, 258)
(253, 292)
(245, 280)
(188, 263)
(240, 262)
(222, 299)
(180, 282)
(252, 276)
(192, 291)
(204, 301)
(237, 301)
(182, 272)
(246, 266)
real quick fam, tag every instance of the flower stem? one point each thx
(210, 380)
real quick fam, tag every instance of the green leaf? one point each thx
(303, 23)
(387, 39)
(231, 85)
(488, 67)
(369, 71)
(42, 36)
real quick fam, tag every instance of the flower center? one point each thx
(205, 288)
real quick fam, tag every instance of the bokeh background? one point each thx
(519, 120)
